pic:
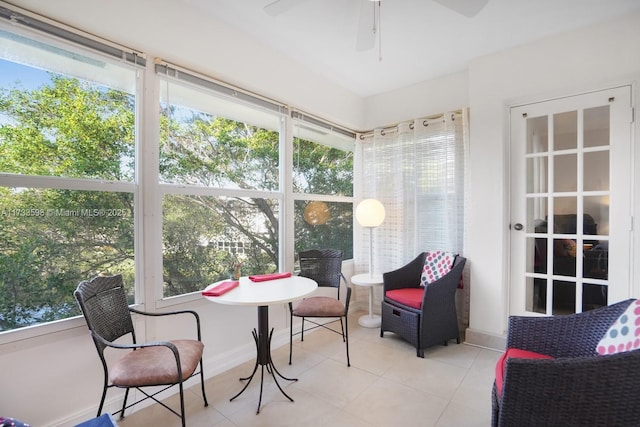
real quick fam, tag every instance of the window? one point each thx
(217, 163)
(67, 170)
(323, 187)
(417, 170)
(221, 157)
(219, 166)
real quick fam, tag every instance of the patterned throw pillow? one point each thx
(436, 265)
(11, 422)
(624, 334)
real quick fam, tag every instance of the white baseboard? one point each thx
(485, 340)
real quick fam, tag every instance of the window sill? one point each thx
(49, 328)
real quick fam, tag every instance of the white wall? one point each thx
(55, 379)
(448, 93)
(594, 58)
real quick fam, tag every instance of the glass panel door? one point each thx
(561, 204)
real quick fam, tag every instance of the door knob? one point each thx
(518, 226)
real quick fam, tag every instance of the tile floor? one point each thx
(386, 386)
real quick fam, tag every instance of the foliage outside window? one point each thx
(202, 237)
(220, 163)
(67, 151)
(333, 229)
(68, 181)
(225, 156)
(323, 168)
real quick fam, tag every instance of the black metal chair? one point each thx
(434, 318)
(162, 363)
(577, 387)
(325, 267)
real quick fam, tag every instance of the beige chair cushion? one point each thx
(156, 365)
(319, 307)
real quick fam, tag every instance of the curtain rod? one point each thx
(26, 19)
(174, 71)
(306, 117)
(394, 127)
(180, 73)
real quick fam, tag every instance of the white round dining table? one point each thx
(268, 292)
(263, 294)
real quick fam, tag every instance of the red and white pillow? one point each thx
(436, 265)
(624, 334)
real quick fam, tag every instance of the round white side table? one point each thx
(368, 320)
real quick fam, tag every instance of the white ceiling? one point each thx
(421, 39)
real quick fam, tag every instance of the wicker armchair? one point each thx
(162, 363)
(577, 387)
(325, 267)
(436, 320)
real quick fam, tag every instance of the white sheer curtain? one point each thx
(417, 171)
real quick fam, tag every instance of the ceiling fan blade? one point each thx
(468, 8)
(280, 6)
(366, 37)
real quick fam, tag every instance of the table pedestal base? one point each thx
(262, 339)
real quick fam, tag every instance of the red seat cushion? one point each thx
(501, 364)
(407, 296)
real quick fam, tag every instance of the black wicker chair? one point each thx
(436, 321)
(162, 363)
(325, 267)
(577, 387)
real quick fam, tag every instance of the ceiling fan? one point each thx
(366, 31)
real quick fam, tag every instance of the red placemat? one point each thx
(221, 289)
(271, 276)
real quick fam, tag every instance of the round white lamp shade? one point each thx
(370, 213)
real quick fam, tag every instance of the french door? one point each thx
(570, 208)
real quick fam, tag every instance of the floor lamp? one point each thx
(370, 214)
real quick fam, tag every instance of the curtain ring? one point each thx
(382, 132)
(411, 126)
(424, 123)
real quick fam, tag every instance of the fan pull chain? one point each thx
(379, 31)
